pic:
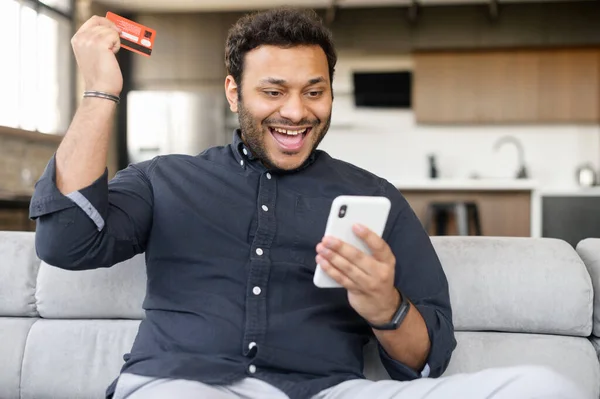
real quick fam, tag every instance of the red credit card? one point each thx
(134, 37)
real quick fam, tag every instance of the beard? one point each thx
(253, 133)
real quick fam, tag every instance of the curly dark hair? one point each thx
(283, 27)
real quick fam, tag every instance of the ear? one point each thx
(231, 91)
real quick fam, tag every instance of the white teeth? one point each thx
(289, 132)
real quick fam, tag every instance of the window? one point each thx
(36, 71)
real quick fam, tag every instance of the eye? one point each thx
(271, 93)
(315, 93)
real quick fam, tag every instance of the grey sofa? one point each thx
(516, 301)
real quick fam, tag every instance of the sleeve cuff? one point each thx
(425, 372)
(442, 339)
(399, 371)
(82, 202)
(442, 344)
(48, 199)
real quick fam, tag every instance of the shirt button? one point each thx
(242, 162)
(265, 208)
(268, 176)
(245, 151)
(252, 345)
(259, 251)
(252, 369)
(256, 290)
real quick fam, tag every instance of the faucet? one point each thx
(522, 173)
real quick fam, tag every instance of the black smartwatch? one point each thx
(397, 318)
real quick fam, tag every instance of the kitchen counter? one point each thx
(507, 207)
(466, 184)
(572, 192)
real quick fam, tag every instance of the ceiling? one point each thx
(245, 5)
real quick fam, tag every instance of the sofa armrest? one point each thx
(589, 251)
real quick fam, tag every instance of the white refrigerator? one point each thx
(175, 122)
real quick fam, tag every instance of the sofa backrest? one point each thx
(49, 316)
(496, 284)
(534, 285)
(63, 334)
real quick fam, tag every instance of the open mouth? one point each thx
(290, 139)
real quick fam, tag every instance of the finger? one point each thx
(380, 250)
(96, 35)
(349, 252)
(335, 274)
(106, 37)
(352, 271)
(96, 21)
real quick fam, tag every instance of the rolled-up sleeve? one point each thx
(419, 276)
(97, 226)
(47, 199)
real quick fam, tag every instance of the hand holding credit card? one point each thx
(134, 37)
(94, 46)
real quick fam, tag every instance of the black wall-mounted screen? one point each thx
(383, 89)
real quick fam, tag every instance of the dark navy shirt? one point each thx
(230, 257)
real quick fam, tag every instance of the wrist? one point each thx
(96, 102)
(386, 315)
(101, 95)
(99, 88)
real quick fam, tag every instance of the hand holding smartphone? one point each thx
(346, 211)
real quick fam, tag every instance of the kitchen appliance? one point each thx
(586, 175)
(174, 122)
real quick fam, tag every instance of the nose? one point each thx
(294, 109)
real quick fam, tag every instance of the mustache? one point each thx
(285, 122)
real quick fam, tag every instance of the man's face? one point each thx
(285, 105)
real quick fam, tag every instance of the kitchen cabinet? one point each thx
(569, 86)
(504, 211)
(507, 86)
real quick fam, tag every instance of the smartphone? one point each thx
(346, 211)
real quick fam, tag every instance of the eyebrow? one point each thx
(282, 82)
(314, 81)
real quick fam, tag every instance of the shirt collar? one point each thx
(241, 149)
(244, 155)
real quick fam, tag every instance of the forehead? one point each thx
(293, 64)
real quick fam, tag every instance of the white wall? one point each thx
(390, 143)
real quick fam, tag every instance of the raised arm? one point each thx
(83, 222)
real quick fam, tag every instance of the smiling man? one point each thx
(285, 109)
(232, 237)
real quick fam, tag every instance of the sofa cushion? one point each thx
(589, 250)
(573, 357)
(116, 292)
(18, 271)
(13, 334)
(517, 285)
(74, 358)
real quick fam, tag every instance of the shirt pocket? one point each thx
(310, 217)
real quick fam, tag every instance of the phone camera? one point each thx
(342, 211)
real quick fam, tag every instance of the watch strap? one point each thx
(397, 318)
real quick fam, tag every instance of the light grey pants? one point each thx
(526, 382)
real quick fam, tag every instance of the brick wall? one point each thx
(23, 159)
